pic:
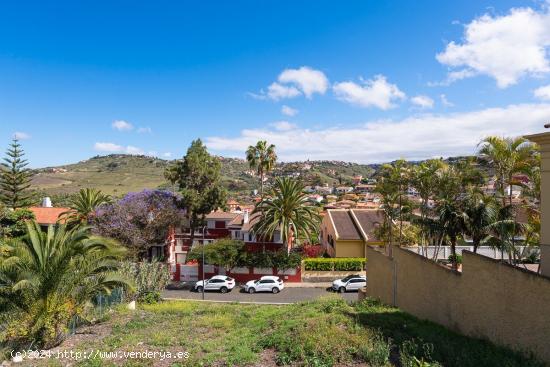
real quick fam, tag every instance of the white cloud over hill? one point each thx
(416, 137)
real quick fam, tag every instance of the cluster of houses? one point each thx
(350, 218)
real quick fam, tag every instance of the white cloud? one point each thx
(306, 79)
(415, 137)
(167, 155)
(115, 148)
(278, 91)
(375, 92)
(542, 93)
(144, 130)
(505, 48)
(422, 101)
(283, 125)
(19, 135)
(289, 111)
(295, 82)
(444, 101)
(122, 125)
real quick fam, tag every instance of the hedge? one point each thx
(335, 264)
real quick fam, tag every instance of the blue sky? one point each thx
(362, 81)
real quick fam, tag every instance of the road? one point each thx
(288, 295)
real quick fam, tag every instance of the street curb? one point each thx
(214, 301)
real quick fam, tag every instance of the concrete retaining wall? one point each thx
(489, 299)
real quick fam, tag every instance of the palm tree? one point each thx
(448, 210)
(84, 204)
(285, 210)
(391, 185)
(480, 213)
(47, 278)
(261, 157)
(508, 157)
(424, 180)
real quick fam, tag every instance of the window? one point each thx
(267, 281)
(220, 224)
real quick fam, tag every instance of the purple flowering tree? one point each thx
(140, 220)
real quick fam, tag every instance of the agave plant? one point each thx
(47, 278)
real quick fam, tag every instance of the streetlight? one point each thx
(203, 281)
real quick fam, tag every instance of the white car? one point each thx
(268, 283)
(220, 283)
(349, 283)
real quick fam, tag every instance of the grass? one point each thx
(325, 332)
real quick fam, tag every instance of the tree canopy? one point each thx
(15, 178)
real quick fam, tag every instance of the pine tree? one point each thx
(15, 178)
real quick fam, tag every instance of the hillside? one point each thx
(118, 174)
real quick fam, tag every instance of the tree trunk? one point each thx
(262, 184)
(453, 253)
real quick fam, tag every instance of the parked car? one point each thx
(349, 283)
(268, 283)
(220, 283)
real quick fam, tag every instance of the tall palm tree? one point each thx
(392, 183)
(285, 210)
(262, 158)
(424, 180)
(508, 157)
(84, 204)
(47, 278)
(480, 213)
(448, 209)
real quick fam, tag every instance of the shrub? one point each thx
(458, 258)
(150, 298)
(334, 264)
(149, 278)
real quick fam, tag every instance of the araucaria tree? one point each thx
(285, 210)
(199, 180)
(15, 178)
(262, 158)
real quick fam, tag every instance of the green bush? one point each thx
(150, 298)
(458, 258)
(335, 264)
(149, 278)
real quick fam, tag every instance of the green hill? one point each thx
(118, 174)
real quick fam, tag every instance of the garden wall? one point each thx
(489, 299)
(241, 275)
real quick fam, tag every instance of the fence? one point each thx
(445, 251)
(489, 299)
(102, 303)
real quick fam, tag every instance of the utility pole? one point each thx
(203, 280)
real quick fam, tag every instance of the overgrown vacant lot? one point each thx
(326, 332)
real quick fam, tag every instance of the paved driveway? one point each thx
(288, 295)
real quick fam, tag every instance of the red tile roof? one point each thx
(46, 216)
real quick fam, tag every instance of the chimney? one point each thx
(245, 216)
(543, 140)
(46, 202)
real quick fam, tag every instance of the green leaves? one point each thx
(15, 178)
(285, 210)
(199, 179)
(47, 278)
